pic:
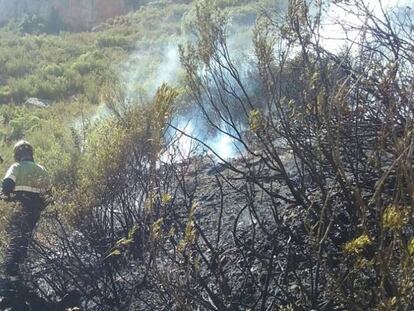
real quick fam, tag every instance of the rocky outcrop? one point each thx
(76, 15)
(11, 9)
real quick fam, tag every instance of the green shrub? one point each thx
(112, 41)
(22, 124)
(21, 89)
(54, 70)
(5, 94)
(17, 66)
(73, 81)
(83, 67)
(92, 91)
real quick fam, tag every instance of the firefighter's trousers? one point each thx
(20, 230)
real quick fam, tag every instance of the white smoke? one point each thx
(168, 70)
(187, 137)
(150, 66)
(336, 36)
(146, 69)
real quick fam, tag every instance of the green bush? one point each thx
(22, 124)
(21, 89)
(73, 81)
(54, 70)
(5, 94)
(18, 66)
(51, 89)
(112, 41)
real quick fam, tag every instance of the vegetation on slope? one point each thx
(72, 71)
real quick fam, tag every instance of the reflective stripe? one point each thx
(10, 173)
(28, 176)
(28, 189)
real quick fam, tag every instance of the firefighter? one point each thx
(26, 183)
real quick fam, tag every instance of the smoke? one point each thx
(148, 68)
(188, 136)
(154, 64)
(342, 28)
(221, 144)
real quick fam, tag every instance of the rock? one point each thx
(33, 101)
(75, 15)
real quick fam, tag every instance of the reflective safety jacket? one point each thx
(26, 176)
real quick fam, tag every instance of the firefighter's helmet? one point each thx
(23, 151)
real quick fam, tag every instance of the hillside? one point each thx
(71, 72)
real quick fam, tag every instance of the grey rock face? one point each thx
(10, 9)
(76, 15)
